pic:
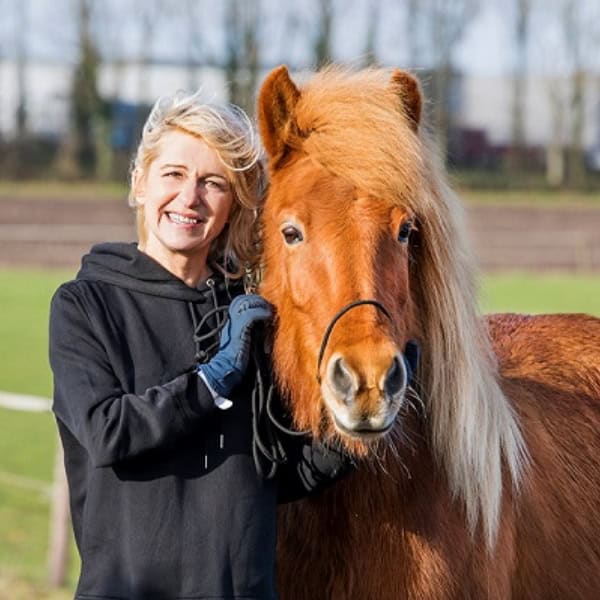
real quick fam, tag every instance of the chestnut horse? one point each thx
(481, 477)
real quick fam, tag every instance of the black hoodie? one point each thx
(165, 497)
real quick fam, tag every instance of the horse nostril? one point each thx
(340, 378)
(395, 378)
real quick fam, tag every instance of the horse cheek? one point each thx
(301, 286)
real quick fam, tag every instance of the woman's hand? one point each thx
(226, 369)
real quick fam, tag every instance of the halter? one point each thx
(336, 318)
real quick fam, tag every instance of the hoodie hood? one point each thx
(123, 265)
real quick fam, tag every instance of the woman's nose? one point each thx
(190, 193)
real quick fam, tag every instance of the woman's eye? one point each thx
(404, 232)
(216, 185)
(292, 235)
(174, 174)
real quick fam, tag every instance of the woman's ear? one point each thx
(138, 186)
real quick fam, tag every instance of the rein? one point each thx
(336, 318)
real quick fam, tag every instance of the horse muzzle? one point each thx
(364, 396)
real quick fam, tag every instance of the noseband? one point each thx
(336, 318)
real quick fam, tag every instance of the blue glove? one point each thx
(226, 368)
(411, 359)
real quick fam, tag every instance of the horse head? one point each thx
(364, 251)
(337, 258)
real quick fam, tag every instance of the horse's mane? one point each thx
(355, 125)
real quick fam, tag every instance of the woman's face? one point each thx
(186, 197)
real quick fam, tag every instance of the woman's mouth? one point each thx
(183, 220)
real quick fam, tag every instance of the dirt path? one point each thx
(46, 233)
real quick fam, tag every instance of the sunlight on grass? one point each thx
(25, 300)
(534, 294)
(12, 588)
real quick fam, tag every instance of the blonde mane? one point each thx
(352, 124)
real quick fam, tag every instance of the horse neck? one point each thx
(391, 515)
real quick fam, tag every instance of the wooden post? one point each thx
(60, 525)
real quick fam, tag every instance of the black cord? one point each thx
(267, 445)
(336, 318)
(268, 450)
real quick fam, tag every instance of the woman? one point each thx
(152, 402)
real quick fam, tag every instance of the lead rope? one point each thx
(267, 445)
(268, 450)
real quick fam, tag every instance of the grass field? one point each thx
(529, 293)
(28, 440)
(61, 190)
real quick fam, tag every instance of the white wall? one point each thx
(486, 104)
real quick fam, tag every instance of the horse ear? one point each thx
(276, 101)
(407, 88)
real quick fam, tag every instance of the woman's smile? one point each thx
(185, 220)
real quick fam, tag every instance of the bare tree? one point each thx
(435, 28)
(291, 32)
(149, 14)
(577, 34)
(521, 26)
(79, 153)
(194, 14)
(374, 9)
(21, 49)
(413, 32)
(569, 51)
(242, 50)
(322, 46)
(555, 151)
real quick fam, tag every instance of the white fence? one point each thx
(58, 547)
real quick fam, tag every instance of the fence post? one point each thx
(60, 525)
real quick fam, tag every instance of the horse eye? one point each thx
(292, 235)
(404, 232)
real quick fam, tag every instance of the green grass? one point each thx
(542, 198)
(25, 299)
(33, 434)
(28, 440)
(530, 293)
(61, 190)
(12, 588)
(24, 519)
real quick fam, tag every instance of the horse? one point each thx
(480, 477)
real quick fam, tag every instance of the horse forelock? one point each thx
(352, 124)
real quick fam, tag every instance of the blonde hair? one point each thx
(229, 132)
